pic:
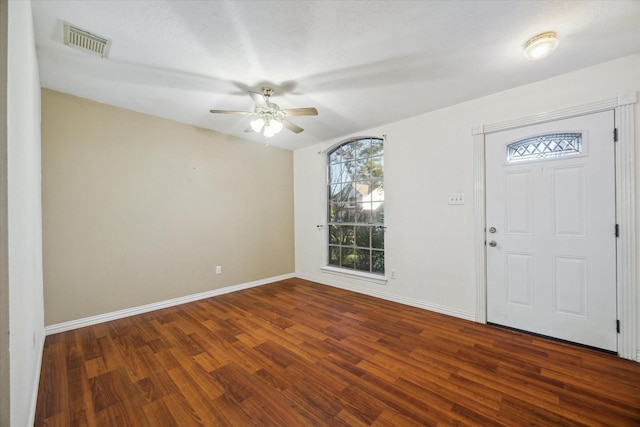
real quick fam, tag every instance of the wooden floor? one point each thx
(296, 353)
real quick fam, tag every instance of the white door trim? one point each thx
(624, 107)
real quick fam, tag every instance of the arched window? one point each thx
(355, 206)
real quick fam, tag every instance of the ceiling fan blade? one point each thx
(231, 112)
(292, 127)
(258, 99)
(301, 111)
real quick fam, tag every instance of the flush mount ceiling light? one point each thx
(540, 46)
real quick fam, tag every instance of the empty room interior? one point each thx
(289, 213)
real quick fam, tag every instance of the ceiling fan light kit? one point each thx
(270, 126)
(540, 46)
(271, 118)
(257, 125)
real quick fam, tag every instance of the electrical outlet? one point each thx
(218, 269)
(456, 198)
(393, 274)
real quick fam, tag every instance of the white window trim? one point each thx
(627, 302)
(369, 277)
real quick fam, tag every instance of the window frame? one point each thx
(373, 223)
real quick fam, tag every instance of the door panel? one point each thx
(569, 196)
(519, 202)
(520, 279)
(551, 259)
(570, 285)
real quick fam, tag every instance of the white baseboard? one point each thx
(106, 317)
(114, 315)
(374, 292)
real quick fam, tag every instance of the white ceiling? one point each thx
(362, 64)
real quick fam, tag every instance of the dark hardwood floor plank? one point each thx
(158, 384)
(296, 353)
(390, 418)
(158, 415)
(80, 403)
(193, 373)
(182, 411)
(58, 420)
(198, 396)
(53, 392)
(347, 419)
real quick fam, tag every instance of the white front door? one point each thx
(551, 245)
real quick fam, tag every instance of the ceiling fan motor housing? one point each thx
(271, 111)
(266, 92)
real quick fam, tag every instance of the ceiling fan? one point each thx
(271, 118)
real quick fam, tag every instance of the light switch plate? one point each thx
(456, 198)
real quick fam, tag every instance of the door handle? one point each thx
(493, 243)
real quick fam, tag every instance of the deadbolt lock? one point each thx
(492, 230)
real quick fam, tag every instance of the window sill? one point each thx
(369, 277)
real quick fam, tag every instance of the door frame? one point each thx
(626, 263)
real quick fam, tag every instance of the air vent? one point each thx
(84, 40)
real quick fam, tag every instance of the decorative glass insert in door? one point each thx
(545, 147)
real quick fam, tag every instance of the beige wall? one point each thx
(139, 209)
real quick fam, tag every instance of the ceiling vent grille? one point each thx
(80, 39)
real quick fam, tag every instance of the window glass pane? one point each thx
(377, 167)
(334, 235)
(377, 261)
(349, 171)
(363, 188)
(341, 212)
(377, 194)
(377, 238)
(376, 147)
(363, 148)
(334, 255)
(377, 202)
(363, 259)
(348, 152)
(363, 237)
(348, 213)
(335, 156)
(349, 193)
(335, 172)
(334, 209)
(377, 215)
(363, 213)
(336, 193)
(347, 235)
(348, 257)
(363, 168)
